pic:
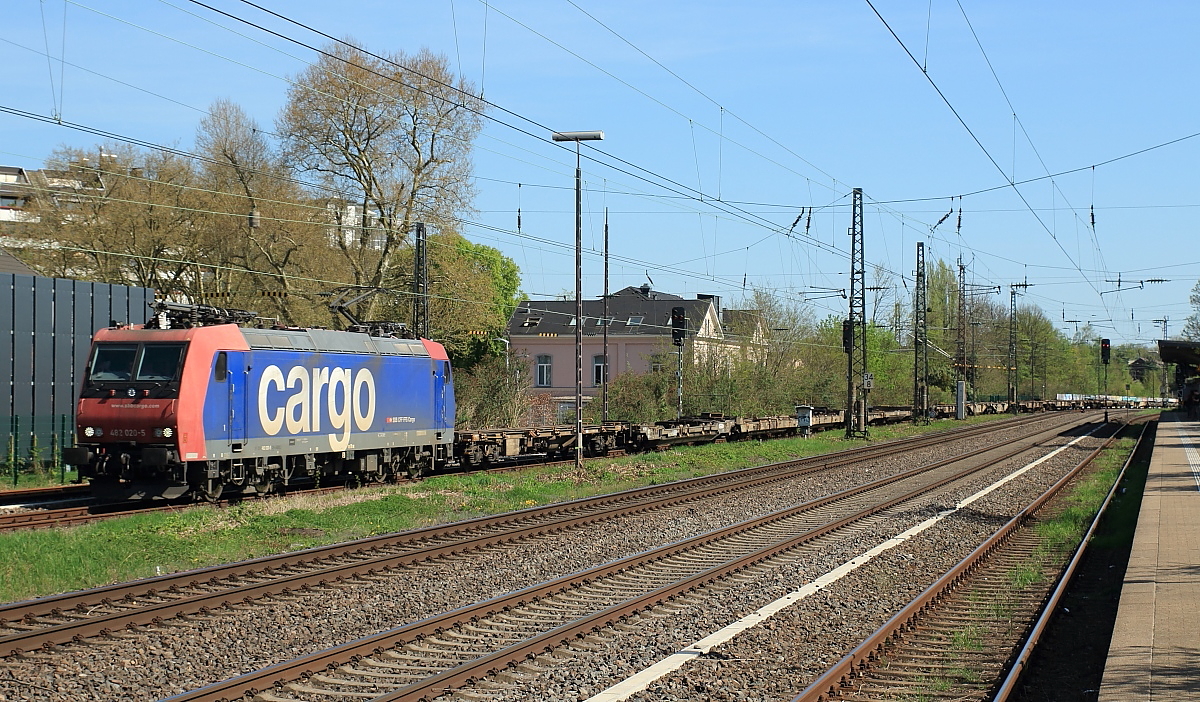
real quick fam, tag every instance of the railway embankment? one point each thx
(57, 560)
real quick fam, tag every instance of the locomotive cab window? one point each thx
(113, 362)
(160, 362)
(221, 371)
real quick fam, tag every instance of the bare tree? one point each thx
(1191, 327)
(263, 244)
(391, 139)
(116, 215)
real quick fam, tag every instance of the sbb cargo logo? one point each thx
(333, 388)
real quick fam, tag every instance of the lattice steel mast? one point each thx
(920, 342)
(855, 330)
(1012, 343)
(420, 325)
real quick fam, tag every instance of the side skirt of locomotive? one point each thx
(156, 473)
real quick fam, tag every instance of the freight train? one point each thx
(194, 403)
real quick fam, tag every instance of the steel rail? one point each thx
(17, 496)
(1017, 669)
(253, 683)
(105, 623)
(841, 675)
(84, 514)
(47, 605)
(74, 516)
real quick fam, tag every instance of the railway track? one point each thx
(52, 492)
(958, 638)
(49, 517)
(540, 626)
(75, 616)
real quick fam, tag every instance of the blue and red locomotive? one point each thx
(205, 408)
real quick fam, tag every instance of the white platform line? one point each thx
(641, 680)
(1189, 450)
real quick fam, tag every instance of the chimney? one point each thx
(645, 289)
(716, 300)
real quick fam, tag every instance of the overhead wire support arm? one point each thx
(1131, 284)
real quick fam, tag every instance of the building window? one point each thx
(634, 321)
(572, 322)
(543, 372)
(598, 370)
(531, 322)
(600, 322)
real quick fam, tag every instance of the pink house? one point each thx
(639, 337)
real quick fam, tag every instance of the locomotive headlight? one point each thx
(158, 433)
(89, 431)
(168, 432)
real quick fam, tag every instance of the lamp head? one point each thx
(577, 136)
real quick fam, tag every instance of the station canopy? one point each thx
(1184, 353)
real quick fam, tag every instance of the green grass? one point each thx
(1062, 533)
(968, 639)
(44, 478)
(48, 561)
(964, 674)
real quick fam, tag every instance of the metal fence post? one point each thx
(64, 425)
(55, 451)
(14, 428)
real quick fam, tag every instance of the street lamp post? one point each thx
(578, 137)
(507, 354)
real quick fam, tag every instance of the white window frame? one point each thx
(543, 369)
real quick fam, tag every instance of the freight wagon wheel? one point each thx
(473, 455)
(212, 491)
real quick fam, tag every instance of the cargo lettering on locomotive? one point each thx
(342, 398)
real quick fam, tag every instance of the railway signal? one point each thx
(1105, 351)
(678, 326)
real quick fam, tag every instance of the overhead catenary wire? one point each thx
(979, 143)
(673, 269)
(665, 196)
(657, 196)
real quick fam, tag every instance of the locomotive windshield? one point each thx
(113, 362)
(159, 362)
(143, 362)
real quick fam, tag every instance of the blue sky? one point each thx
(764, 107)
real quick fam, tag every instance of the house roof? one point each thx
(10, 264)
(1185, 353)
(13, 181)
(648, 310)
